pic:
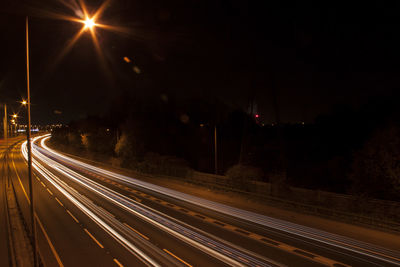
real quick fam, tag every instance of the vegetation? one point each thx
(348, 151)
(376, 167)
(240, 175)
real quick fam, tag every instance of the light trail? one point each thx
(184, 232)
(73, 196)
(347, 244)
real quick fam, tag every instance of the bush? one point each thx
(376, 167)
(240, 175)
(166, 165)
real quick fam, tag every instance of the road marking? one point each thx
(94, 239)
(243, 259)
(49, 241)
(43, 184)
(176, 257)
(135, 198)
(136, 231)
(211, 244)
(373, 252)
(118, 263)
(59, 202)
(266, 241)
(20, 182)
(73, 217)
(226, 251)
(217, 222)
(51, 193)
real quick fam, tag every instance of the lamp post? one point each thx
(89, 24)
(5, 123)
(215, 150)
(12, 126)
(28, 136)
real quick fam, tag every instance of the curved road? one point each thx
(91, 216)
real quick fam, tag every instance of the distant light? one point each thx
(24, 102)
(201, 125)
(302, 123)
(127, 60)
(14, 115)
(184, 118)
(136, 69)
(257, 115)
(108, 130)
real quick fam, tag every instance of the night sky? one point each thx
(313, 55)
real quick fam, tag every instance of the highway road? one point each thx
(4, 240)
(89, 216)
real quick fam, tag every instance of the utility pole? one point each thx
(5, 126)
(28, 136)
(215, 149)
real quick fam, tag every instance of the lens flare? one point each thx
(89, 23)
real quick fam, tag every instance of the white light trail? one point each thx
(218, 250)
(334, 240)
(64, 188)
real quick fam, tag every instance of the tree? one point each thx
(376, 167)
(123, 148)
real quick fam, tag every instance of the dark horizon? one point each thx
(313, 57)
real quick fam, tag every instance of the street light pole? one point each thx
(5, 127)
(215, 150)
(5, 121)
(28, 135)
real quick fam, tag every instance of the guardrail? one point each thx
(372, 212)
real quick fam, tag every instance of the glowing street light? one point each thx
(89, 23)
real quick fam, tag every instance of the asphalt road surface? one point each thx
(88, 216)
(4, 236)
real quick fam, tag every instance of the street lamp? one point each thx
(89, 23)
(28, 137)
(11, 127)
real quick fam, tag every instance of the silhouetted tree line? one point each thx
(347, 151)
